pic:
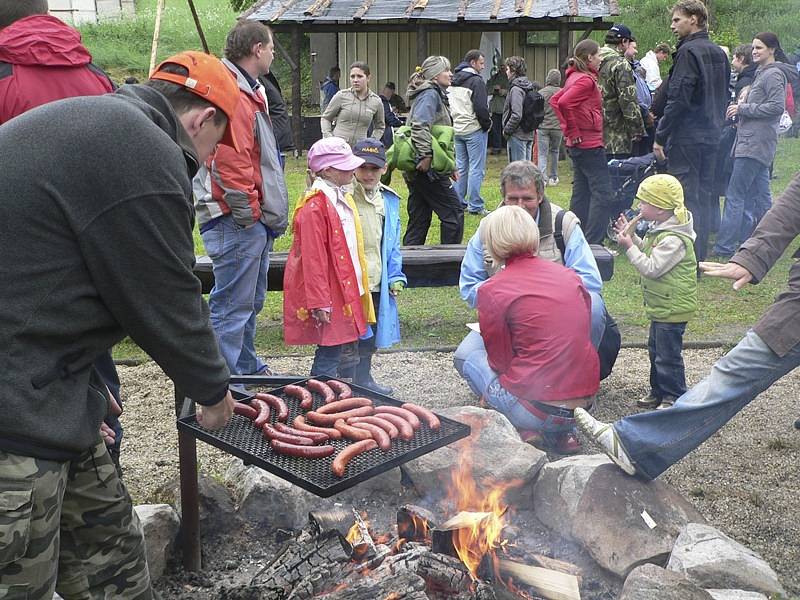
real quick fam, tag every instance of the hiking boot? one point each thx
(376, 387)
(666, 402)
(649, 401)
(605, 435)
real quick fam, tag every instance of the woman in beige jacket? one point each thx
(352, 111)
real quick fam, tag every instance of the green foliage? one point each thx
(241, 5)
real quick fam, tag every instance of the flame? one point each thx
(484, 536)
(354, 535)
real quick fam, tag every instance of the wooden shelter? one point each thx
(394, 36)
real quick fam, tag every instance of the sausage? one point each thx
(384, 424)
(328, 420)
(314, 436)
(263, 411)
(301, 393)
(273, 434)
(301, 451)
(343, 405)
(240, 408)
(403, 426)
(400, 412)
(346, 455)
(343, 391)
(352, 433)
(322, 388)
(378, 434)
(300, 423)
(277, 404)
(431, 420)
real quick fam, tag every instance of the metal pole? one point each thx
(190, 493)
(199, 27)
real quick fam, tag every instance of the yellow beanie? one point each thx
(663, 191)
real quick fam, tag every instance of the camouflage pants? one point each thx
(69, 527)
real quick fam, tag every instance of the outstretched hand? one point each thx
(729, 271)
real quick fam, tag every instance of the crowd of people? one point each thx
(101, 247)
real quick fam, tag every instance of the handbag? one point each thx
(785, 124)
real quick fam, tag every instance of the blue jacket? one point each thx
(388, 327)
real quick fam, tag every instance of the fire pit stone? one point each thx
(497, 453)
(651, 582)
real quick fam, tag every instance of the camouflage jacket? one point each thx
(622, 117)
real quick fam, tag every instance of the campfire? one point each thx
(339, 556)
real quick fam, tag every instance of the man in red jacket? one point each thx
(42, 60)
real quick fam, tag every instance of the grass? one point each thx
(436, 317)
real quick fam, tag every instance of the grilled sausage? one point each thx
(240, 408)
(431, 420)
(314, 436)
(400, 412)
(378, 434)
(328, 420)
(301, 393)
(403, 426)
(263, 411)
(343, 405)
(345, 456)
(301, 451)
(384, 424)
(300, 423)
(343, 391)
(273, 434)
(322, 388)
(352, 433)
(276, 403)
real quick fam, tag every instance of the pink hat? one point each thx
(332, 152)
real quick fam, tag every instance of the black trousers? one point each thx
(430, 193)
(496, 140)
(592, 199)
(694, 166)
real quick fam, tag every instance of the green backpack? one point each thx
(401, 155)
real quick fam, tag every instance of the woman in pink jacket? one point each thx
(578, 106)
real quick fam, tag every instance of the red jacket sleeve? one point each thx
(566, 102)
(310, 231)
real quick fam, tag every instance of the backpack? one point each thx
(611, 341)
(532, 111)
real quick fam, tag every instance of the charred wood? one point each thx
(338, 519)
(404, 585)
(414, 523)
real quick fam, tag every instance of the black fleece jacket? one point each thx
(96, 244)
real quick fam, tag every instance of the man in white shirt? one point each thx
(650, 64)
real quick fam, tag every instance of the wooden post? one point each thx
(297, 100)
(156, 35)
(422, 43)
(563, 43)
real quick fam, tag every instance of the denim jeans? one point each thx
(472, 363)
(326, 361)
(240, 257)
(592, 199)
(665, 346)
(658, 439)
(747, 200)
(549, 141)
(471, 152)
(519, 149)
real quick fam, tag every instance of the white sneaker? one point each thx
(552, 181)
(605, 435)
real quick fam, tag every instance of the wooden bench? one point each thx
(424, 266)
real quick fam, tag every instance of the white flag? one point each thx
(490, 46)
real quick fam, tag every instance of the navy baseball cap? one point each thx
(622, 32)
(372, 151)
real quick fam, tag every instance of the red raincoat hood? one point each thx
(42, 40)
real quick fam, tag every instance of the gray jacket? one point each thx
(349, 117)
(512, 111)
(758, 116)
(429, 107)
(550, 120)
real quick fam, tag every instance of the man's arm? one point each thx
(480, 104)
(578, 257)
(473, 271)
(628, 100)
(680, 89)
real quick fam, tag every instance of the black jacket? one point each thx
(480, 98)
(277, 112)
(744, 79)
(697, 93)
(95, 247)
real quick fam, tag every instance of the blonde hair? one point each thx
(509, 231)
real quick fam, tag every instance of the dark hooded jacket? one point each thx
(97, 247)
(512, 111)
(42, 60)
(744, 79)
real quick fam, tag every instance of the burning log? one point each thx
(444, 537)
(338, 519)
(414, 523)
(404, 585)
(549, 584)
(445, 574)
(556, 565)
(360, 539)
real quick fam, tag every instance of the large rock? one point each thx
(736, 595)
(650, 582)
(711, 559)
(496, 452)
(160, 524)
(622, 521)
(217, 510)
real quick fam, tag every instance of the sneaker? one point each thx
(649, 401)
(567, 443)
(479, 213)
(552, 181)
(605, 435)
(666, 402)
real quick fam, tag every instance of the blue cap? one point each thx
(622, 32)
(372, 151)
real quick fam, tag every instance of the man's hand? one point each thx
(216, 416)
(658, 150)
(109, 435)
(729, 271)
(424, 165)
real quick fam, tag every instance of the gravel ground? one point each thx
(743, 479)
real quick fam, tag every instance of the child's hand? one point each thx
(396, 287)
(620, 224)
(321, 315)
(624, 240)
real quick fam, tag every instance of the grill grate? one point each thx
(240, 438)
